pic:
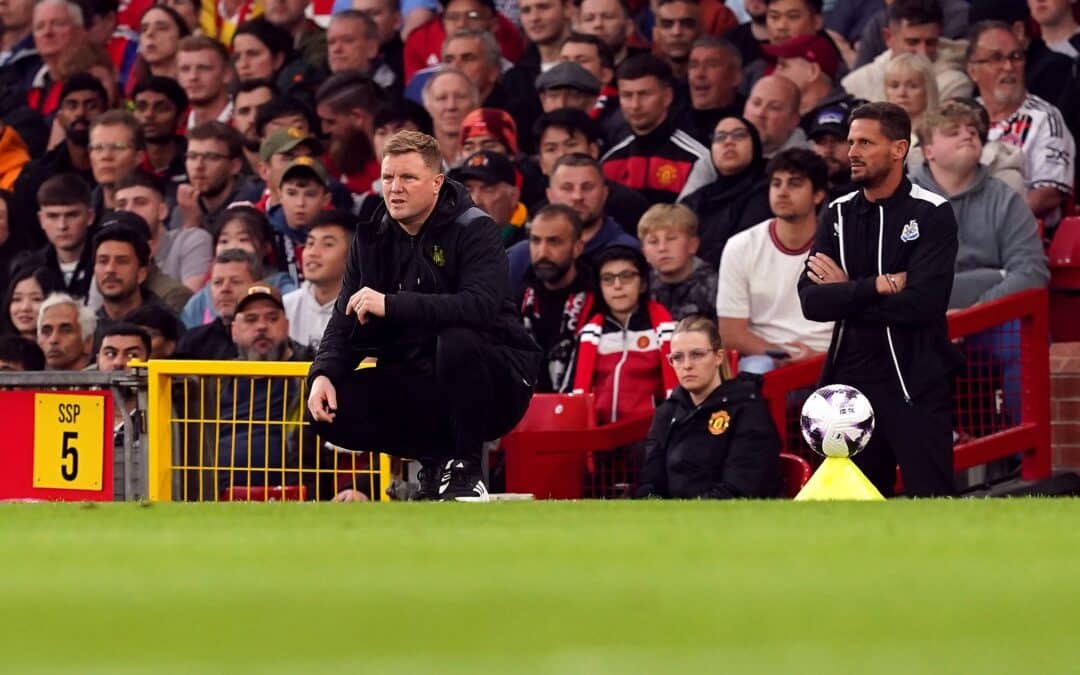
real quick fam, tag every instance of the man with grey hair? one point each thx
(66, 332)
(352, 43)
(449, 95)
(476, 54)
(233, 271)
(57, 27)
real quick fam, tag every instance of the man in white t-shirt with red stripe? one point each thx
(757, 300)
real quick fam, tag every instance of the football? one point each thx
(837, 421)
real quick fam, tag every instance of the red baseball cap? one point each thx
(494, 122)
(814, 48)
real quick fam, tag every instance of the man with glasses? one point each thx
(214, 159)
(995, 61)
(116, 149)
(422, 47)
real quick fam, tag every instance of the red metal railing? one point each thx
(989, 427)
(1002, 408)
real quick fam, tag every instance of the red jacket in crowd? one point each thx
(423, 47)
(626, 366)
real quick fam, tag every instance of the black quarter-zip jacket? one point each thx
(725, 448)
(453, 272)
(912, 231)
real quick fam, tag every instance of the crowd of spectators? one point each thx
(183, 178)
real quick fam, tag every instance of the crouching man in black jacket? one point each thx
(713, 438)
(427, 293)
(881, 267)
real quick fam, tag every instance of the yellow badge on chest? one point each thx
(437, 256)
(666, 174)
(718, 422)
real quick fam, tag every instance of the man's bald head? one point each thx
(773, 108)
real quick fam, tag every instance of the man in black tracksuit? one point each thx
(427, 293)
(882, 268)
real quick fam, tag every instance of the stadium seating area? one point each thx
(182, 182)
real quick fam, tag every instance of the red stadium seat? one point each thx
(276, 493)
(548, 453)
(796, 472)
(1064, 260)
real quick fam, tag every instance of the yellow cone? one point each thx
(838, 479)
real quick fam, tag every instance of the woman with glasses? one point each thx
(739, 197)
(622, 348)
(713, 438)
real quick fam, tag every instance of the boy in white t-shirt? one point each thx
(757, 300)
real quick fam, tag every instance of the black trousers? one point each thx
(916, 435)
(475, 395)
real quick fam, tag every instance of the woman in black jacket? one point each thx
(739, 197)
(713, 438)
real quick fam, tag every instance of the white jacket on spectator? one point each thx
(868, 82)
(307, 318)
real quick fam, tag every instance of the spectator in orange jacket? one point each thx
(13, 155)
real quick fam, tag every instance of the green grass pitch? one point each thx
(959, 586)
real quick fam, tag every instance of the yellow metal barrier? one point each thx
(236, 430)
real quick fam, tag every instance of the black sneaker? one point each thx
(461, 481)
(429, 475)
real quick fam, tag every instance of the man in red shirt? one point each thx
(423, 46)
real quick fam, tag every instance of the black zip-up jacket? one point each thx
(79, 286)
(725, 448)
(912, 231)
(454, 272)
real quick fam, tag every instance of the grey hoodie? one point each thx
(1000, 252)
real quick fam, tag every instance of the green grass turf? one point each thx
(903, 587)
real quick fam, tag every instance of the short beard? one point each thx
(549, 272)
(869, 180)
(215, 191)
(120, 297)
(276, 353)
(841, 174)
(158, 139)
(78, 137)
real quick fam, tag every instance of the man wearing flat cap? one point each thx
(567, 85)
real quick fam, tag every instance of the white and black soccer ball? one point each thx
(837, 421)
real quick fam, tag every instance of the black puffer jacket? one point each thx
(453, 273)
(726, 448)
